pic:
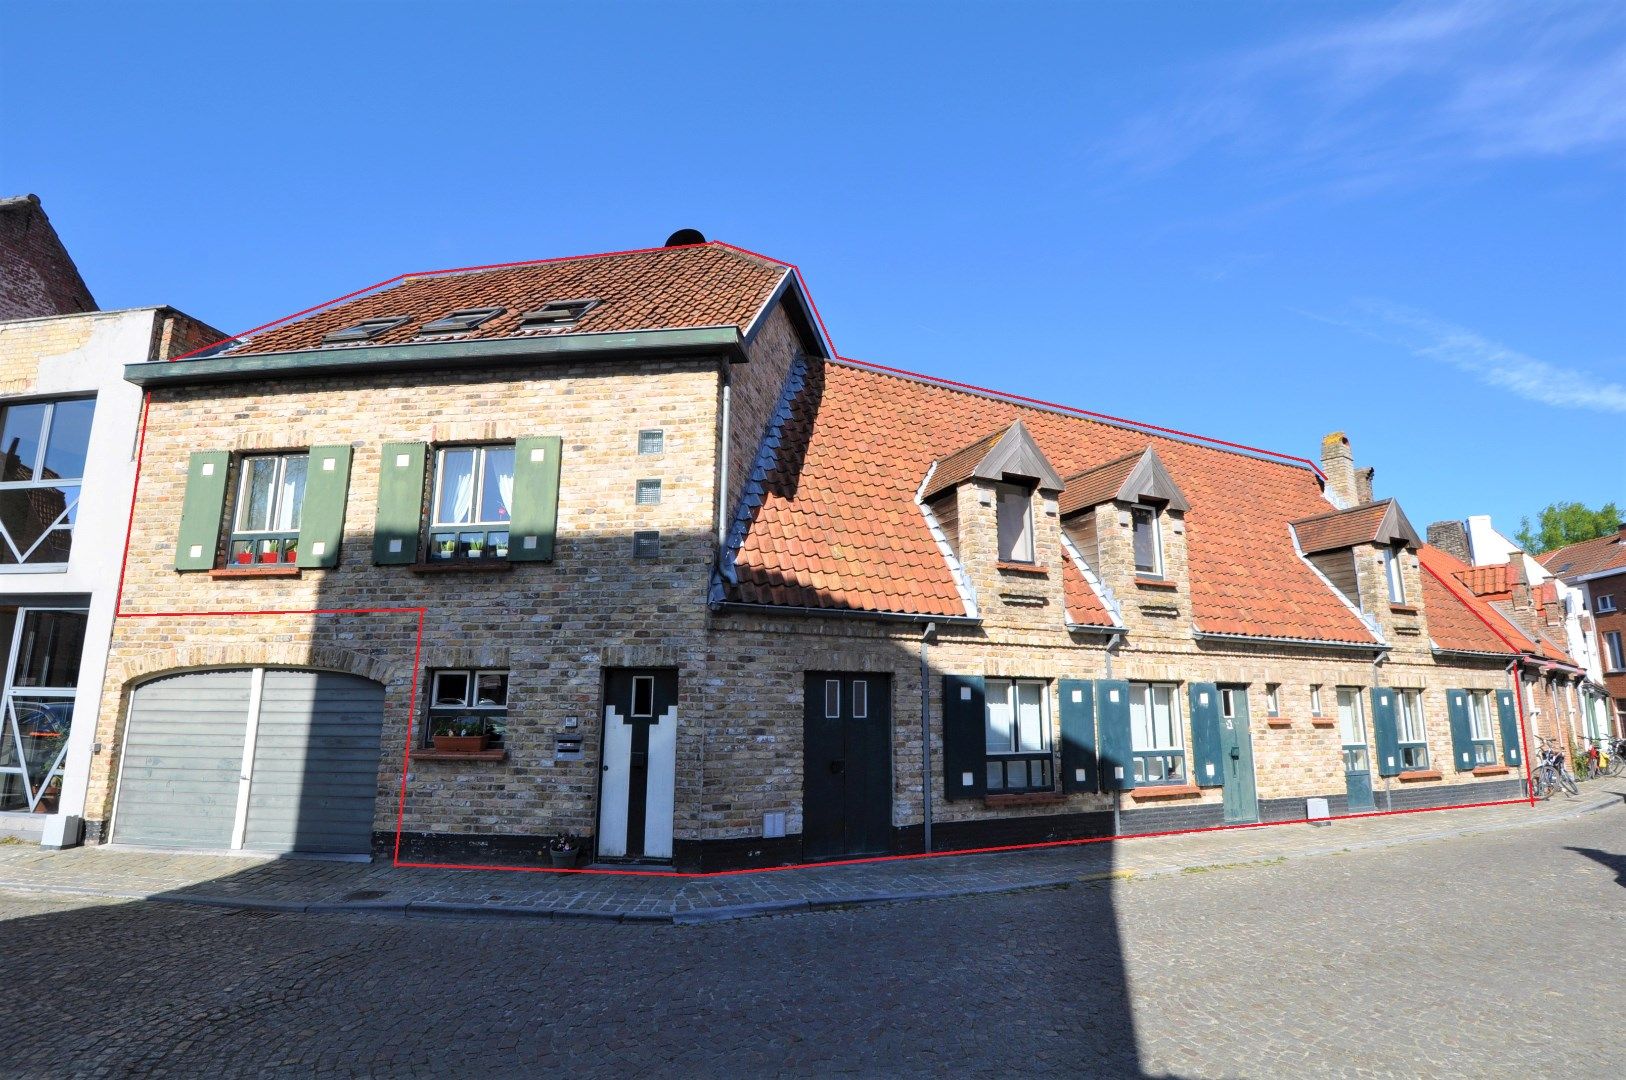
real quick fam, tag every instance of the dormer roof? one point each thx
(1137, 477)
(1007, 454)
(1374, 523)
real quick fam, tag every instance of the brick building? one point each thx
(693, 588)
(68, 422)
(1598, 567)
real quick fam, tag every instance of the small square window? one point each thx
(557, 313)
(646, 545)
(365, 330)
(1606, 603)
(1315, 701)
(1227, 698)
(643, 695)
(649, 493)
(1273, 699)
(652, 441)
(461, 320)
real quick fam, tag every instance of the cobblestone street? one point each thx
(1488, 955)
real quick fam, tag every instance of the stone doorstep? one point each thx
(825, 891)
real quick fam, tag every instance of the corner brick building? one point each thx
(692, 588)
(1598, 567)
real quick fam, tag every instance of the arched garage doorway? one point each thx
(254, 759)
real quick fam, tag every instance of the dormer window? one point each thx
(461, 321)
(1015, 524)
(365, 330)
(558, 313)
(1392, 573)
(1148, 542)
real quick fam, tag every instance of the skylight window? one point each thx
(462, 320)
(365, 330)
(558, 313)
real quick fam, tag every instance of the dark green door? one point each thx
(847, 765)
(1236, 756)
(1357, 759)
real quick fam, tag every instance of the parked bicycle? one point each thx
(1615, 752)
(1551, 772)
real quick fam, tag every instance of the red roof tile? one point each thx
(1371, 523)
(1084, 606)
(1452, 622)
(958, 466)
(1487, 581)
(860, 440)
(1095, 486)
(666, 288)
(1588, 557)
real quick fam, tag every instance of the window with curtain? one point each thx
(472, 502)
(266, 512)
(44, 444)
(1017, 736)
(1148, 542)
(1015, 524)
(1352, 729)
(1157, 733)
(1412, 736)
(1480, 730)
(1392, 573)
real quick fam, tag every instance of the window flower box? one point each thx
(461, 744)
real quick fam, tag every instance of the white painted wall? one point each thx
(96, 366)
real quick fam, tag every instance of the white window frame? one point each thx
(11, 725)
(1155, 524)
(1021, 548)
(1156, 760)
(1015, 757)
(493, 535)
(1411, 729)
(1273, 699)
(1352, 730)
(1315, 700)
(1614, 652)
(286, 541)
(64, 521)
(1394, 572)
(439, 708)
(1480, 729)
(1606, 603)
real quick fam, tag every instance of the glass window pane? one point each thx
(1015, 526)
(996, 776)
(20, 430)
(1030, 717)
(256, 494)
(452, 688)
(1000, 718)
(1140, 718)
(832, 698)
(1349, 718)
(491, 688)
(69, 437)
(497, 491)
(651, 441)
(25, 516)
(291, 493)
(1145, 541)
(456, 503)
(48, 652)
(643, 695)
(860, 699)
(1163, 717)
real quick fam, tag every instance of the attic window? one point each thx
(461, 320)
(365, 330)
(558, 313)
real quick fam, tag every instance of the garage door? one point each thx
(263, 760)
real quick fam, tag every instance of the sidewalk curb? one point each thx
(731, 913)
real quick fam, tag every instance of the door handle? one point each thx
(1236, 754)
(838, 766)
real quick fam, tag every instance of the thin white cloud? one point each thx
(1430, 338)
(1369, 102)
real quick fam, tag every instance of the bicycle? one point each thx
(1550, 774)
(1617, 757)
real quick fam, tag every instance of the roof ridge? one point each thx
(1155, 431)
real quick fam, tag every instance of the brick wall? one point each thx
(37, 276)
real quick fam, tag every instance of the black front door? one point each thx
(847, 765)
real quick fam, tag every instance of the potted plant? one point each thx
(291, 555)
(245, 557)
(270, 556)
(446, 548)
(562, 851)
(460, 735)
(501, 549)
(477, 547)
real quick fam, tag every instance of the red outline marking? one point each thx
(422, 611)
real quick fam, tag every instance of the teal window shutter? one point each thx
(1112, 729)
(1386, 730)
(535, 513)
(965, 772)
(1509, 718)
(1078, 765)
(1207, 770)
(1462, 741)
(202, 510)
(321, 518)
(399, 520)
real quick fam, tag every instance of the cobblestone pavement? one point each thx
(304, 885)
(1496, 954)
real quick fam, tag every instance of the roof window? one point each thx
(365, 330)
(558, 313)
(463, 319)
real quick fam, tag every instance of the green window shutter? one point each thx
(400, 504)
(1509, 718)
(202, 509)
(535, 513)
(321, 518)
(1207, 770)
(1078, 765)
(965, 771)
(1386, 730)
(1462, 740)
(1112, 728)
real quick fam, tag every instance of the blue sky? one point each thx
(1257, 221)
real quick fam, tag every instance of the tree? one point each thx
(1563, 524)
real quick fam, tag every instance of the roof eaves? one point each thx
(1320, 643)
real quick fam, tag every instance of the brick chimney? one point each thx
(1363, 485)
(1521, 606)
(1450, 537)
(1338, 462)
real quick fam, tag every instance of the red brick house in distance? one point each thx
(1598, 567)
(697, 588)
